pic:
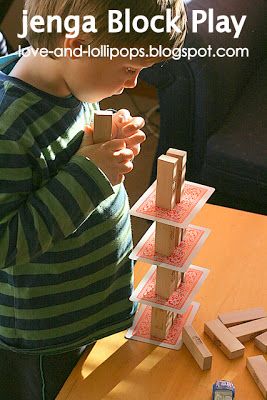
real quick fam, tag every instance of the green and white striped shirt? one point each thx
(65, 234)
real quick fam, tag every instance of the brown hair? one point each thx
(148, 8)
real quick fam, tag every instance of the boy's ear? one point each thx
(72, 44)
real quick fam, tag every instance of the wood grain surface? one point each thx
(116, 369)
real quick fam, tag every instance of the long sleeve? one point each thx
(31, 221)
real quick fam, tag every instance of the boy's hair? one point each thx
(99, 9)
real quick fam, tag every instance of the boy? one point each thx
(65, 233)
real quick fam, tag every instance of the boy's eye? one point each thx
(131, 70)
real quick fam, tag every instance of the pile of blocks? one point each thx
(230, 330)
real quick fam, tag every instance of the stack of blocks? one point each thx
(165, 317)
(170, 184)
(170, 240)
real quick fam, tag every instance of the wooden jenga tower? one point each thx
(170, 186)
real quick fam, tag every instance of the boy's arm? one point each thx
(32, 221)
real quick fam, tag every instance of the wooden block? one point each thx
(197, 348)
(261, 342)
(167, 281)
(183, 276)
(181, 167)
(166, 182)
(180, 155)
(161, 322)
(240, 316)
(183, 234)
(178, 236)
(224, 339)
(102, 126)
(164, 239)
(257, 366)
(249, 330)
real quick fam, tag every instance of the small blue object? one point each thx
(223, 390)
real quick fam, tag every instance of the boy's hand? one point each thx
(114, 157)
(124, 126)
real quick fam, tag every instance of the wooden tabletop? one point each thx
(118, 369)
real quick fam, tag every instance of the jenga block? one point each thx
(102, 126)
(257, 366)
(183, 276)
(183, 234)
(166, 182)
(249, 330)
(164, 239)
(261, 342)
(224, 339)
(181, 166)
(178, 236)
(238, 317)
(167, 281)
(197, 348)
(180, 155)
(161, 322)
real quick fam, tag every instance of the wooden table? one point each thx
(117, 369)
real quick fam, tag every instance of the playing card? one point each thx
(193, 199)
(181, 298)
(183, 254)
(141, 327)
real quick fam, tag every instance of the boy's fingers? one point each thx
(135, 139)
(115, 144)
(126, 167)
(136, 124)
(124, 155)
(123, 115)
(88, 135)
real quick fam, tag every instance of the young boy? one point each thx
(65, 234)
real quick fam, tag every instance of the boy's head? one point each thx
(92, 79)
(99, 10)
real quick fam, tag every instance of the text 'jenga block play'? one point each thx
(224, 339)
(197, 348)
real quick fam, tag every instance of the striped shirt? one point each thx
(3, 46)
(65, 234)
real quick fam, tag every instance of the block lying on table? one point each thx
(197, 348)
(261, 342)
(257, 366)
(224, 339)
(249, 330)
(240, 316)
